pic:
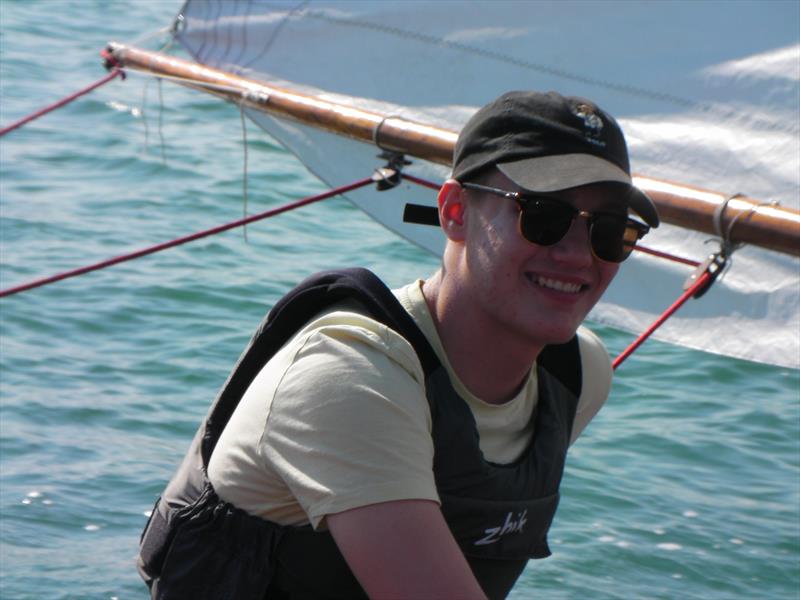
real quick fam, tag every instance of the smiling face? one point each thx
(539, 294)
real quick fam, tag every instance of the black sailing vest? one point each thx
(196, 546)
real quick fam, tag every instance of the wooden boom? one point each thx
(754, 222)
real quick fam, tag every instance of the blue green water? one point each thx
(687, 485)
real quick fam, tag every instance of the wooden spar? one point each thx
(392, 133)
(754, 222)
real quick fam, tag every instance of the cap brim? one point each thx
(564, 171)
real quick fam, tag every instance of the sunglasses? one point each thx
(544, 220)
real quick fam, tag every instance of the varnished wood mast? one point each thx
(757, 223)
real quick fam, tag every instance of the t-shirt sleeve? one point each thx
(349, 423)
(597, 374)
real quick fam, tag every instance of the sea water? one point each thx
(687, 485)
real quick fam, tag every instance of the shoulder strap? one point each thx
(295, 309)
(563, 361)
(361, 285)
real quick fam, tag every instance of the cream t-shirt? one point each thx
(339, 419)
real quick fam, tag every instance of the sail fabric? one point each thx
(707, 94)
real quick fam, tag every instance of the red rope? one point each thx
(116, 72)
(702, 281)
(182, 240)
(672, 257)
(422, 182)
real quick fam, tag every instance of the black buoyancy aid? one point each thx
(197, 546)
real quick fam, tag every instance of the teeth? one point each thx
(561, 286)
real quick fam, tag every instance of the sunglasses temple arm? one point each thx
(419, 214)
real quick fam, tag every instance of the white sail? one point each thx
(700, 100)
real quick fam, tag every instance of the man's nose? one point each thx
(575, 247)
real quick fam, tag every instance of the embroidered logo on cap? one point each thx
(592, 123)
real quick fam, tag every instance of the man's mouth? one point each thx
(566, 287)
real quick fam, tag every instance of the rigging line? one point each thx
(166, 47)
(188, 238)
(168, 44)
(215, 31)
(191, 82)
(149, 36)
(209, 38)
(115, 72)
(277, 31)
(145, 122)
(244, 167)
(228, 33)
(243, 33)
(705, 279)
(161, 122)
(420, 181)
(727, 246)
(696, 286)
(667, 256)
(199, 55)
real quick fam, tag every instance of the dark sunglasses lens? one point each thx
(544, 221)
(613, 238)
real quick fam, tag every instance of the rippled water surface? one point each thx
(687, 485)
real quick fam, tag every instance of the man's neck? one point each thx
(491, 362)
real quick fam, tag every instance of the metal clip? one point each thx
(714, 265)
(390, 175)
(257, 97)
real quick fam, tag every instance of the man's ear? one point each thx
(452, 210)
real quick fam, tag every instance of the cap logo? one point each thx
(592, 123)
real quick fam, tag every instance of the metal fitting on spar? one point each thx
(255, 96)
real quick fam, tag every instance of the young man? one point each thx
(411, 444)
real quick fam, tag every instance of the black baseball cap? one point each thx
(546, 142)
